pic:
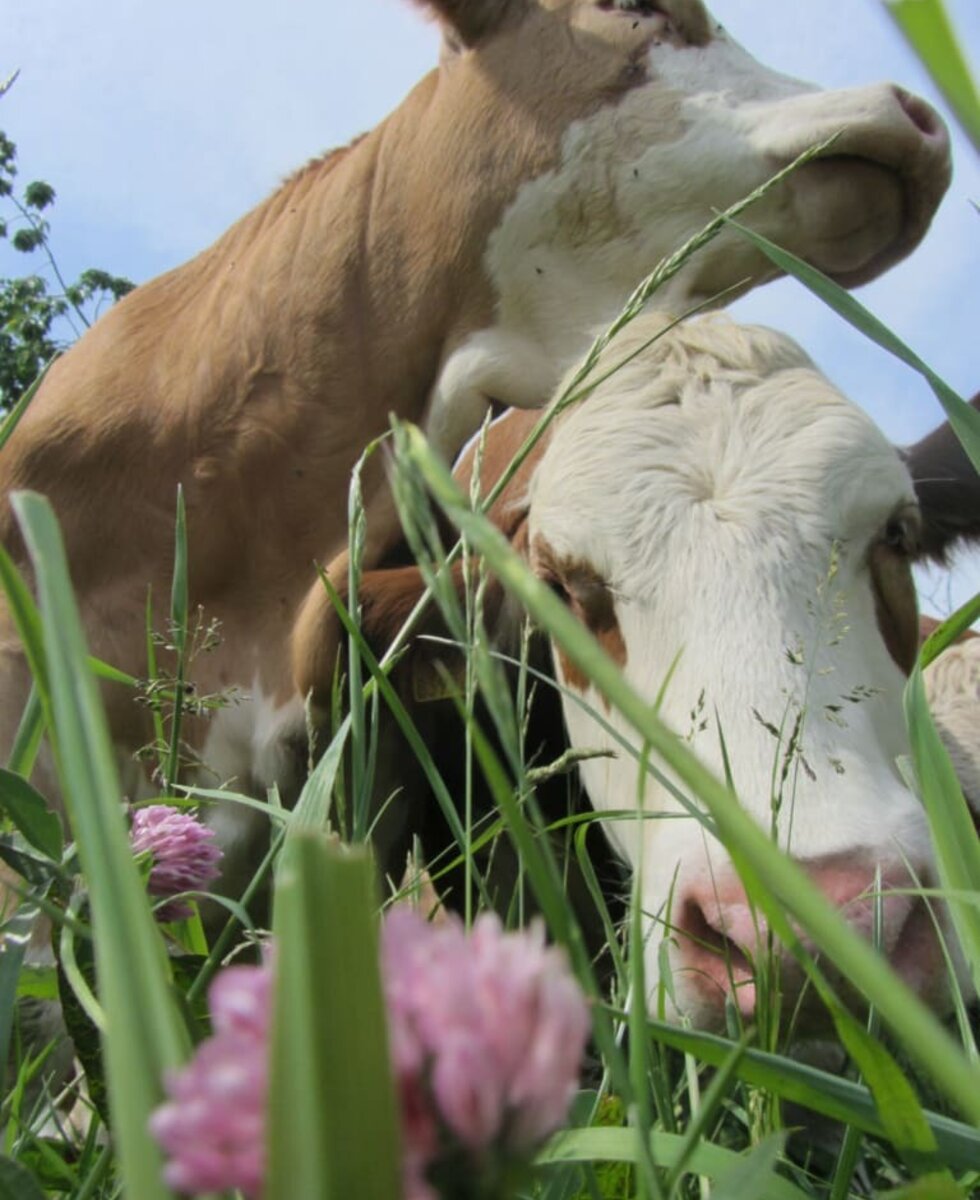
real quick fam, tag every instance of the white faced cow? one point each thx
(461, 252)
(737, 533)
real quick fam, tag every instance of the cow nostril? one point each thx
(710, 941)
(922, 115)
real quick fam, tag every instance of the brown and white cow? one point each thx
(737, 533)
(461, 252)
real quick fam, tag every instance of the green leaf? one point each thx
(929, 1187)
(332, 1120)
(928, 29)
(742, 1182)
(17, 1183)
(600, 1144)
(38, 194)
(28, 810)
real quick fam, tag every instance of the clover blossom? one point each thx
(486, 1033)
(213, 1126)
(490, 1025)
(184, 857)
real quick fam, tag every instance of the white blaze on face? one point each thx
(732, 503)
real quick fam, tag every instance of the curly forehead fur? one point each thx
(726, 430)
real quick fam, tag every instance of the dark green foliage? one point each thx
(38, 317)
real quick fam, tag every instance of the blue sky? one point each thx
(160, 124)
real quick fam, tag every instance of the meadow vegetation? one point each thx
(664, 1112)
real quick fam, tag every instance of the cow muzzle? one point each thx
(869, 201)
(726, 953)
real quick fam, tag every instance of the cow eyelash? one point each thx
(557, 588)
(639, 8)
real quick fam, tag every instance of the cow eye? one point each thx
(901, 532)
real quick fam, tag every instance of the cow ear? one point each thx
(948, 489)
(469, 22)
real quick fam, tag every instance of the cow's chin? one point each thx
(856, 216)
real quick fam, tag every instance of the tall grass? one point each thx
(666, 1112)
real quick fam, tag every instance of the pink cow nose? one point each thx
(923, 116)
(721, 939)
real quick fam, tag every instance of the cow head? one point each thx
(613, 131)
(739, 537)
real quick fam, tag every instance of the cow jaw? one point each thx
(737, 515)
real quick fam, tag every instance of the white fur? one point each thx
(248, 747)
(728, 495)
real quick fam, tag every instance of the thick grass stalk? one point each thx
(788, 891)
(332, 1120)
(144, 1035)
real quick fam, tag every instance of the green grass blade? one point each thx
(144, 1035)
(312, 811)
(964, 420)
(788, 891)
(742, 1181)
(947, 633)
(950, 820)
(698, 1129)
(928, 30)
(12, 419)
(898, 1106)
(27, 742)
(332, 1121)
